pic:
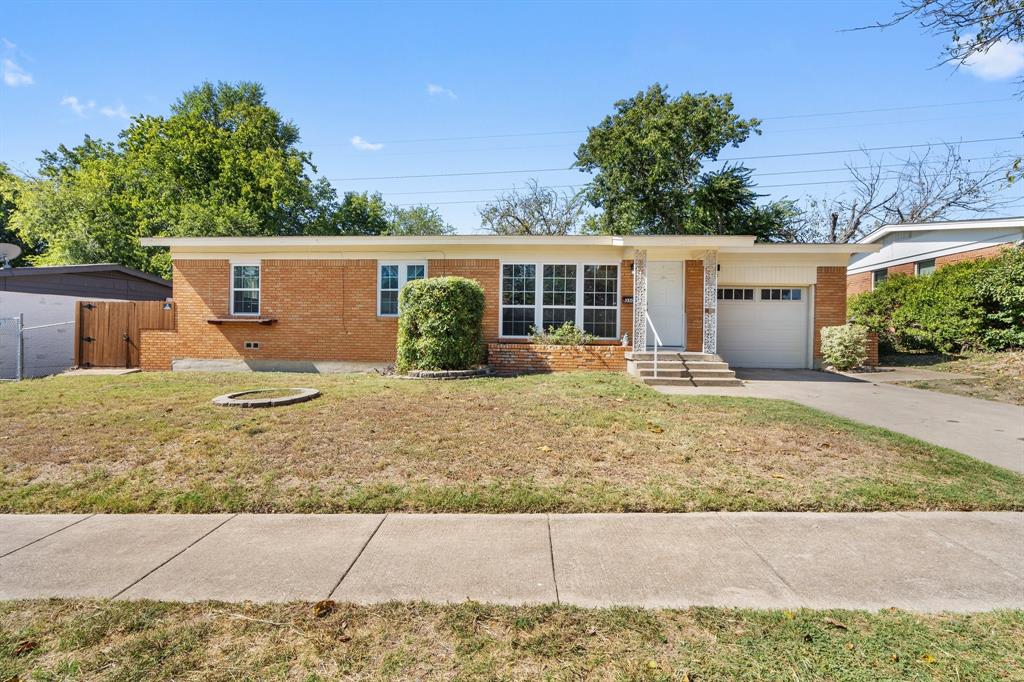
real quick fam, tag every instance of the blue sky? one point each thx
(381, 89)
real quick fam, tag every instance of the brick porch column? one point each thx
(710, 302)
(639, 339)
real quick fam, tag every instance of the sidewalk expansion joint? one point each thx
(764, 561)
(356, 558)
(171, 558)
(551, 552)
(73, 523)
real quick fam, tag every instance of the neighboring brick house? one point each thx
(331, 303)
(921, 248)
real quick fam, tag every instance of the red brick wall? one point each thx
(156, 349)
(626, 289)
(872, 344)
(904, 269)
(516, 358)
(829, 302)
(325, 310)
(858, 284)
(987, 252)
(693, 304)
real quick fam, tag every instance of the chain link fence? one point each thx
(34, 351)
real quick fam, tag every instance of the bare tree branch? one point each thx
(537, 210)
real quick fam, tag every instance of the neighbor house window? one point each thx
(543, 295)
(518, 299)
(878, 276)
(925, 267)
(781, 294)
(245, 289)
(392, 277)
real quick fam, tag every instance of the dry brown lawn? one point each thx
(159, 641)
(993, 376)
(585, 442)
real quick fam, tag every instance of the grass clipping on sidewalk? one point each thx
(103, 640)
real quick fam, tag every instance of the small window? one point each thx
(925, 267)
(781, 294)
(878, 276)
(601, 300)
(727, 294)
(392, 277)
(245, 289)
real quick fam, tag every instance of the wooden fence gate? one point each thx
(108, 331)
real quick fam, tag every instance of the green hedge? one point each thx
(440, 324)
(972, 305)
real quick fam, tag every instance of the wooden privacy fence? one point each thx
(108, 331)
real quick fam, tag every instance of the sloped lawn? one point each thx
(991, 376)
(159, 641)
(568, 443)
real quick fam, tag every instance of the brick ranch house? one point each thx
(921, 248)
(331, 303)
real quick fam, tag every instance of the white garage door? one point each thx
(763, 326)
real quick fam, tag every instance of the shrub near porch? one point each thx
(563, 442)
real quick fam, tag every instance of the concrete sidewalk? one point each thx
(990, 431)
(927, 561)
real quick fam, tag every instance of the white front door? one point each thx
(665, 301)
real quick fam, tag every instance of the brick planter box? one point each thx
(521, 358)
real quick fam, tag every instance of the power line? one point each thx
(735, 158)
(792, 184)
(755, 175)
(766, 118)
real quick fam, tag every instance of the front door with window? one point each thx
(665, 301)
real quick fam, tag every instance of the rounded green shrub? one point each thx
(844, 347)
(440, 324)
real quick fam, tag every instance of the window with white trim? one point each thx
(245, 289)
(391, 277)
(879, 276)
(543, 295)
(601, 300)
(925, 267)
(518, 299)
(781, 294)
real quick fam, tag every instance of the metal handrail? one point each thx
(657, 342)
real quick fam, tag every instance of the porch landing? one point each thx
(677, 367)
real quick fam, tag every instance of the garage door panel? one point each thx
(763, 333)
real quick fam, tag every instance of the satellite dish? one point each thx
(8, 252)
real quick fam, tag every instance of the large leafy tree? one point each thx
(648, 159)
(222, 163)
(417, 220)
(10, 191)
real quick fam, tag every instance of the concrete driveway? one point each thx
(992, 432)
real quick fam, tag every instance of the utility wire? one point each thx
(793, 184)
(766, 118)
(732, 158)
(755, 175)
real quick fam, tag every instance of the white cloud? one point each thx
(14, 75)
(360, 143)
(1002, 60)
(76, 105)
(112, 112)
(8, 44)
(433, 90)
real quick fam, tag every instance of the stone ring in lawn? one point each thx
(267, 397)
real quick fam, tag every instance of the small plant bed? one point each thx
(573, 442)
(140, 640)
(991, 376)
(266, 397)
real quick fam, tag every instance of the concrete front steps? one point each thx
(681, 368)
